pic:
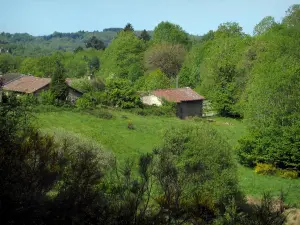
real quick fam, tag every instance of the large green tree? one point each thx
(171, 33)
(272, 108)
(166, 57)
(124, 56)
(222, 79)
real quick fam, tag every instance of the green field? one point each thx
(114, 136)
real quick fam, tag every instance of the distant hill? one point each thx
(24, 44)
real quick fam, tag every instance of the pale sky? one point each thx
(41, 17)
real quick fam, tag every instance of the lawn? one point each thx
(114, 136)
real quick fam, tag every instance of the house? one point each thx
(27, 85)
(189, 103)
(34, 85)
(6, 78)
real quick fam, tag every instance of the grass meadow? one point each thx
(114, 135)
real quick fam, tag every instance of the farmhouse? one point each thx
(189, 103)
(33, 85)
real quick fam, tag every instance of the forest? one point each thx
(189, 175)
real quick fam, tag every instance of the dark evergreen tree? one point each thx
(145, 36)
(58, 84)
(128, 27)
(95, 43)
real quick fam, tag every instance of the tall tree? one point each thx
(58, 84)
(145, 36)
(95, 43)
(292, 18)
(166, 57)
(272, 108)
(128, 27)
(124, 56)
(264, 25)
(171, 33)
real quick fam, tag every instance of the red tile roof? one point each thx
(178, 94)
(27, 84)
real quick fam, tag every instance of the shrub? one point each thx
(28, 99)
(285, 173)
(83, 103)
(130, 125)
(265, 169)
(120, 93)
(46, 98)
(100, 113)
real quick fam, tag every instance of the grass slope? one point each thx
(115, 136)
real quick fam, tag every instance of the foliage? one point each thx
(8, 63)
(264, 25)
(166, 57)
(265, 169)
(100, 113)
(145, 36)
(84, 103)
(120, 93)
(128, 27)
(154, 80)
(271, 108)
(292, 174)
(46, 98)
(123, 54)
(95, 43)
(223, 81)
(85, 85)
(58, 84)
(190, 72)
(170, 33)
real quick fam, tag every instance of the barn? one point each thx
(189, 102)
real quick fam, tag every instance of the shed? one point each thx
(189, 102)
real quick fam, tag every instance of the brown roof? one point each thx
(178, 94)
(27, 84)
(9, 77)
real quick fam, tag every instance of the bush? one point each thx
(84, 103)
(265, 169)
(100, 113)
(46, 98)
(167, 109)
(28, 99)
(292, 174)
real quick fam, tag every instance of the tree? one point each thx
(94, 64)
(264, 25)
(95, 43)
(145, 36)
(292, 18)
(166, 57)
(9, 63)
(196, 179)
(58, 84)
(170, 33)
(128, 27)
(155, 80)
(189, 75)
(222, 79)
(78, 49)
(271, 107)
(120, 93)
(229, 29)
(123, 55)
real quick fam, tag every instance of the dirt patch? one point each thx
(292, 216)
